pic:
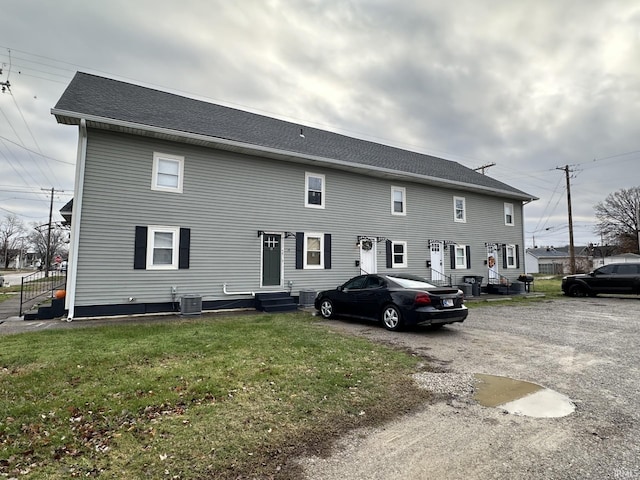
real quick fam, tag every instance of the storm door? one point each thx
(437, 262)
(492, 263)
(271, 259)
(368, 260)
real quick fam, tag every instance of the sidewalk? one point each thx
(10, 308)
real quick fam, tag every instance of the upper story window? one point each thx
(314, 190)
(313, 250)
(398, 201)
(508, 214)
(168, 173)
(459, 210)
(162, 248)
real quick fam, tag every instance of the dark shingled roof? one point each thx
(103, 101)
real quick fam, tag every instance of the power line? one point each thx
(34, 182)
(36, 153)
(53, 175)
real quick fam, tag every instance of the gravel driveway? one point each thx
(587, 349)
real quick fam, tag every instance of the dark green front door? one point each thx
(271, 259)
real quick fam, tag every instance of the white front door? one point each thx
(492, 263)
(437, 261)
(368, 257)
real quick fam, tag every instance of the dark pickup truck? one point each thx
(616, 278)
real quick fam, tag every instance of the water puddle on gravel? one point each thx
(521, 398)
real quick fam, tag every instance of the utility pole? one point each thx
(485, 166)
(638, 224)
(572, 253)
(48, 254)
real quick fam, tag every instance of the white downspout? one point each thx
(72, 269)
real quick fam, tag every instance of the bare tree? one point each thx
(618, 219)
(11, 231)
(58, 245)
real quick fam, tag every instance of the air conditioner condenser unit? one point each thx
(191, 304)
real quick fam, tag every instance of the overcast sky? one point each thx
(530, 85)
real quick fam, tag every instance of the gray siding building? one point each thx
(175, 196)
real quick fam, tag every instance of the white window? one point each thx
(459, 210)
(398, 201)
(168, 173)
(162, 247)
(511, 256)
(508, 214)
(313, 250)
(461, 256)
(314, 190)
(399, 254)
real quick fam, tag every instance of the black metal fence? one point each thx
(39, 284)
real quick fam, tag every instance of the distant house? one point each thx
(616, 258)
(556, 261)
(177, 197)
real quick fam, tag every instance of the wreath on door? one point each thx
(367, 244)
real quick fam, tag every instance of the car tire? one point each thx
(578, 291)
(391, 318)
(326, 308)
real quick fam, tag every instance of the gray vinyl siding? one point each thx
(227, 198)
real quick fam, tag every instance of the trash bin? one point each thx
(475, 281)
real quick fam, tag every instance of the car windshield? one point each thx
(411, 282)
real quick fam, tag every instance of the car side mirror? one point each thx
(340, 288)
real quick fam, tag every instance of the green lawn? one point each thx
(217, 397)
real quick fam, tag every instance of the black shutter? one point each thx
(327, 251)
(299, 250)
(468, 249)
(140, 249)
(504, 256)
(389, 254)
(184, 247)
(452, 254)
(517, 256)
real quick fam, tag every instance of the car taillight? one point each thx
(422, 299)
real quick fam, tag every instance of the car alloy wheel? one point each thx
(578, 291)
(326, 308)
(391, 318)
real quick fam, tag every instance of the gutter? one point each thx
(234, 145)
(72, 264)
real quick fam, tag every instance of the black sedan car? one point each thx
(395, 300)
(616, 278)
